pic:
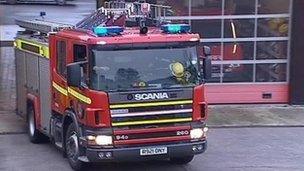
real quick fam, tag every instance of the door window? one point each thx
(61, 58)
(80, 53)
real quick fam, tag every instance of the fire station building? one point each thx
(255, 44)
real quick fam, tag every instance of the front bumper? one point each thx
(133, 154)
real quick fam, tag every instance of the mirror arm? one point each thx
(82, 62)
(83, 86)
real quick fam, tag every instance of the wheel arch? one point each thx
(69, 118)
(33, 101)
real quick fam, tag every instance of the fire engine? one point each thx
(103, 91)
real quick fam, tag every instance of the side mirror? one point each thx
(74, 75)
(207, 67)
(207, 63)
(207, 51)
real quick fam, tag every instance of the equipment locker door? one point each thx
(45, 93)
(21, 82)
(32, 74)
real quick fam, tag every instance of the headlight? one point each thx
(103, 140)
(196, 133)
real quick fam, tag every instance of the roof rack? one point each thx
(133, 9)
(130, 11)
(42, 26)
(97, 18)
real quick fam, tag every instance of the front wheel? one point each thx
(181, 160)
(72, 148)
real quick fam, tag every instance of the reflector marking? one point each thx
(60, 89)
(72, 92)
(79, 96)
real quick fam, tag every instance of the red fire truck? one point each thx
(102, 92)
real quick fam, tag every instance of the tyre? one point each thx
(61, 2)
(72, 148)
(34, 135)
(181, 160)
(11, 2)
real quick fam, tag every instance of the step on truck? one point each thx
(102, 91)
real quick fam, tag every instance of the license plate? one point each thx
(153, 151)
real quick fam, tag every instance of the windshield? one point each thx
(120, 70)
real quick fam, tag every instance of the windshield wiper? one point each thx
(147, 86)
(178, 86)
(135, 88)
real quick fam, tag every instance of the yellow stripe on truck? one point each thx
(72, 92)
(60, 89)
(151, 104)
(79, 96)
(151, 122)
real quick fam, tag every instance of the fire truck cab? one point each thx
(111, 93)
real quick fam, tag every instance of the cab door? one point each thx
(59, 74)
(79, 54)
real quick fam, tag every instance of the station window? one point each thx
(206, 7)
(178, 7)
(214, 29)
(61, 58)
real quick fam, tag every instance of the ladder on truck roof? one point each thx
(116, 10)
(114, 13)
(42, 26)
(134, 9)
(97, 18)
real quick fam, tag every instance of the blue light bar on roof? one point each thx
(176, 28)
(104, 31)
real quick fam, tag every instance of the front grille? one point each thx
(164, 125)
(144, 118)
(148, 136)
(150, 117)
(151, 135)
(160, 108)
